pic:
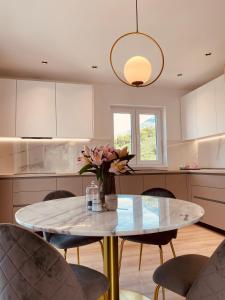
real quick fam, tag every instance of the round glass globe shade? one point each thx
(137, 70)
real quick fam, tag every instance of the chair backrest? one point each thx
(30, 268)
(52, 196)
(160, 192)
(58, 194)
(210, 285)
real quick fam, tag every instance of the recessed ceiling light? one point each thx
(44, 62)
(94, 67)
(179, 74)
(208, 53)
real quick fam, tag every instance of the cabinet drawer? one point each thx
(34, 184)
(217, 181)
(214, 213)
(208, 193)
(25, 198)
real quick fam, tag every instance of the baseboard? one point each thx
(221, 231)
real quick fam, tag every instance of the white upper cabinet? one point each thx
(206, 110)
(7, 107)
(74, 106)
(220, 103)
(36, 115)
(203, 110)
(189, 116)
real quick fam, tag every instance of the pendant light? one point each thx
(138, 69)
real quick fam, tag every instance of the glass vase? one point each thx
(107, 186)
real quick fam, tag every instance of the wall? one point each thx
(107, 95)
(16, 157)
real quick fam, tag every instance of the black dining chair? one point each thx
(64, 241)
(195, 277)
(159, 238)
(30, 268)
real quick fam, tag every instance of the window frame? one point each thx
(135, 111)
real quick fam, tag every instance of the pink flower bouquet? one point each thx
(105, 160)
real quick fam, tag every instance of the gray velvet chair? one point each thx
(195, 277)
(63, 241)
(30, 268)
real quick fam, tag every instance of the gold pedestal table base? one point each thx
(112, 272)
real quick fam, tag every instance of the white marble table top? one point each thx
(135, 215)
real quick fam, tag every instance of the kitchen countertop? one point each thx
(139, 172)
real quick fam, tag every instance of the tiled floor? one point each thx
(193, 239)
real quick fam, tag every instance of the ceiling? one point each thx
(73, 35)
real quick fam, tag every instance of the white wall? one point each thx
(107, 95)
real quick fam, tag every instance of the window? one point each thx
(140, 129)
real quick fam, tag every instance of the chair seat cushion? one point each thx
(178, 274)
(64, 241)
(93, 283)
(158, 238)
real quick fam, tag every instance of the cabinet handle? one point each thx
(208, 199)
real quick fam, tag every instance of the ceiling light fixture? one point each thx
(208, 53)
(179, 74)
(44, 62)
(138, 70)
(94, 67)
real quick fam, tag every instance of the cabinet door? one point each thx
(74, 106)
(71, 184)
(35, 115)
(206, 110)
(8, 107)
(189, 116)
(220, 103)
(6, 201)
(131, 184)
(177, 184)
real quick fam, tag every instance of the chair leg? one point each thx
(172, 248)
(65, 253)
(78, 255)
(121, 254)
(102, 249)
(140, 257)
(156, 293)
(161, 262)
(161, 254)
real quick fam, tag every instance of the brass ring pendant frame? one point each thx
(153, 41)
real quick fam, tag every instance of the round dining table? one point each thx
(134, 215)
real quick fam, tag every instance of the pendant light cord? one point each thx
(136, 16)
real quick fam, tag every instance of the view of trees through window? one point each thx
(147, 134)
(147, 127)
(122, 130)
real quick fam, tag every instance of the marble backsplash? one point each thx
(41, 156)
(56, 156)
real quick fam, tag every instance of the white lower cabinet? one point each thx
(71, 184)
(177, 184)
(205, 190)
(209, 192)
